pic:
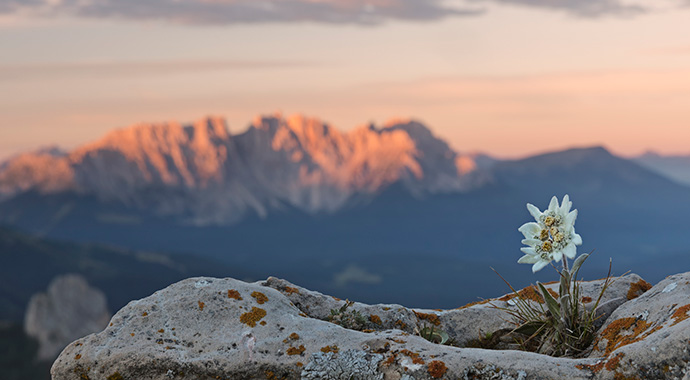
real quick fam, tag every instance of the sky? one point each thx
(505, 77)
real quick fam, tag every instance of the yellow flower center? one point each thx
(544, 235)
(549, 221)
(547, 246)
(558, 237)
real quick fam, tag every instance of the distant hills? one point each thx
(674, 167)
(28, 264)
(380, 214)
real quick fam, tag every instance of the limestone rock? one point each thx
(68, 310)
(225, 328)
(463, 324)
(648, 337)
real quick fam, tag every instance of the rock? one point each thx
(463, 324)
(648, 337)
(70, 309)
(229, 329)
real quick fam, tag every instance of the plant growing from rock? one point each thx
(565, 327)
(353, 319)
(435, 335)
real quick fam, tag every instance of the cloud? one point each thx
(361, 12)
(365, 12)
(584, 8)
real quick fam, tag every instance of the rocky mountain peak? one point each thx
(298, 160)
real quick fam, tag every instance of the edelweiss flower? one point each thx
(552, 236)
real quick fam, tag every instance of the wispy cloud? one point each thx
(362, 12)
(583, 8)
(365, 12)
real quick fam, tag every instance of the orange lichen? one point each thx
(299, 364)
(260, 297)
(295, 350)
(390, 360)
(336, 298)
(586, 299)
(290, 290)
(334, 349)
(386, 308)
(262, 323)
(114, 376)
(375, 319)
(398, 341)
(293, 336)
(681, 314)
(201, 306)
(529, 293)
(401, 324)
(132, 334)
(412, 355)
(433, 318)
(614, 362)
(437, 369)
(637, 288)
(481, 302)
(270, 375)
(144, 314)
(77, 357)
(637, 329)
(232, 293)
(250, 318)
(161, 331)
(111, 323)
(592, 367)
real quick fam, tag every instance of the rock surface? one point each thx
(229, 329)
(68, 310)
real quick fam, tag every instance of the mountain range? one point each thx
(202, 175)
(380, 214)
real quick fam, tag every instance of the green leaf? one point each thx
(565, 280)
(565, 310)
(578, 262)
(433, 335)
(551, 303)
(529, 328)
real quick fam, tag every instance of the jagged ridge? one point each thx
(202, 172)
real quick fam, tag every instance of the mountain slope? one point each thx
(676, 168)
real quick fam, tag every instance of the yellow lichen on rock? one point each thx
(250, 318)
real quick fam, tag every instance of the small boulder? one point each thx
(69, 310)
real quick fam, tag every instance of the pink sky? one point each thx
(509, 78)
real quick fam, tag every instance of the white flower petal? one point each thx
(570, 251)
(553, 206)
(531, 242)
(528, 259)
(565, 206)
(570, 218)
(557, 256)
(539, 265)
(534, 211)
(530, 230)
(577, 239)
(528, 250)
